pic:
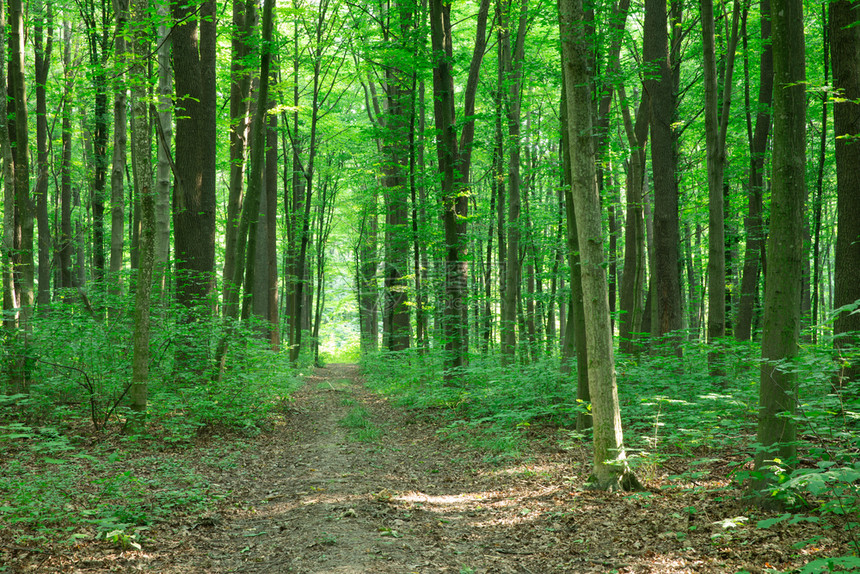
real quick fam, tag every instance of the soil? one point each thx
(315, 495)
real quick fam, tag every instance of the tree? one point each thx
(194, 194)
(778, 383)
(454, 165)
(142, 143)
(513, 61)
(845, 48)
(610, 467)
(716, 127)
(43, 44)
(664, 160)
(754, 227)
(120, 139)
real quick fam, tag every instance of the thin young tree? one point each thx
(611, 470)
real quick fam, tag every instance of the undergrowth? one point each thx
(682, 425)
(69, 472)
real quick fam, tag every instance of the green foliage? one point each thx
(84, 496)
(360, 426)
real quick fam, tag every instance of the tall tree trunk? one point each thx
(141, 142)
(635, 256)
(43, 47)
(240, 87)
(513, 70)
(22, 257)
(194, 194)
(716, 116)
(664, 160)
(574, 343)
(778, 385)
(610, 467)
(455, 159)
(65, 242)
(9, 294)
(164, 131)
(754, 227)
(845, 47)
(120, 138)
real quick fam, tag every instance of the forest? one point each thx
(623, 232)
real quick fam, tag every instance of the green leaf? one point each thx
(768, 522)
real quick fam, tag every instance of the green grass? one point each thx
(360, 427)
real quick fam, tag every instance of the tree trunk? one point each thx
(240, 87)
(513, 70)
(574, 343)
(845, 48)
(610, 467)
(118, 165)
(754, 227)
(782, 304)
(22, 258)
(633, 280)
(164, 131)
(143, 185)
(194, 196)
(664, 160)
(43, 47)
(455, 159)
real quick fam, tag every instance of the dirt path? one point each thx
(348, 484)
(322, 495)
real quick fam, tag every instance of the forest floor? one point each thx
(348, 483)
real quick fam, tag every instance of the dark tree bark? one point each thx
(782, 303)
(64, 242)
(455, 160)
(194, 194)
(141, 142)
(23, 208)
(240, 87)
(574, 342)
(664, 161)
(633, 281)
(845, 48)
(513, 70)
(120, 139)
(754, 227)
(44, 40)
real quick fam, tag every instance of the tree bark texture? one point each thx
(610, 467)
(845, 48)
(782, 303)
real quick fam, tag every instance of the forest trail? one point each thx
(346, 483)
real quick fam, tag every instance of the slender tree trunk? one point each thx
(782, 304)
(575, 343)
(754, 227)
(65, 242)
(43, 47)
(635, 256)
(610, 467)
(22, 258)
(9, 293)
(715, 140)
(513, 69)
(141, 141)
(120, 138)
(240, 86)
(455, 159)
(164, 135)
